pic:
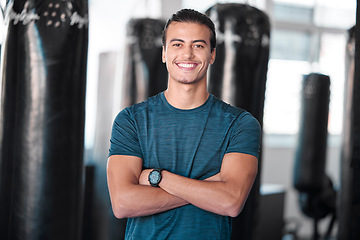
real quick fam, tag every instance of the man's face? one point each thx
(187, 52)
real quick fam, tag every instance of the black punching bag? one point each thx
(238, 76)
(349, 199)
(317, 197)
(42, 119)
(310, 160)
(145, 74)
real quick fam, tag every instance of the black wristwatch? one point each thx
(155, 177)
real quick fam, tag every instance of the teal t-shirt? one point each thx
(190, 143)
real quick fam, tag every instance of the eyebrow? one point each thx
(180, 40)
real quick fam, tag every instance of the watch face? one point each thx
(154, 177)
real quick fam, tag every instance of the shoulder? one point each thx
(236, 114)
(227, 110)
(140, 108)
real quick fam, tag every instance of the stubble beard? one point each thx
(186, 82)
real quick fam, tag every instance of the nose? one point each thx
(188, 52)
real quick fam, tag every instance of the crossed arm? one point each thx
(224, 193)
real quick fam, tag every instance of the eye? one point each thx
(198, 46)
(177, 45)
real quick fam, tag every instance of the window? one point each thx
(305, 38)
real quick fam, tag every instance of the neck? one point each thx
(186, 96)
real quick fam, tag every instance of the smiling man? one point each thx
(182, 163)
(188, 58)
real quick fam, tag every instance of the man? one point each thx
(182, 163)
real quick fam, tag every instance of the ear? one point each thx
(213, 55)
(163, 55)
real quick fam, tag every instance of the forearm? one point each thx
(211, 195)
(138, 200)
(128, 197)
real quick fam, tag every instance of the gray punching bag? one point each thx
(42, 119)
(349, 197)
(145, 74)
(238, 76)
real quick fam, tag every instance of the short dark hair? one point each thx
(191, 16)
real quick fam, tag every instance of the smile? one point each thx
(187, 65)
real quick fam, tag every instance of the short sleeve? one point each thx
(245, 135)
(124, 138)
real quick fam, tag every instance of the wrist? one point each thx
(155, 177)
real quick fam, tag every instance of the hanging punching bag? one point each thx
(238, 76)
(145, 74)
(42, 119)
(309, 168)
(349, 197)
(317, 196)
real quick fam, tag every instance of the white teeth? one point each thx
(184, 65)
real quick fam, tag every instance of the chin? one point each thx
(187, 81)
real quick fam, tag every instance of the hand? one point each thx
(144, 177)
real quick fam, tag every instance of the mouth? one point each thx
(187, 66)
